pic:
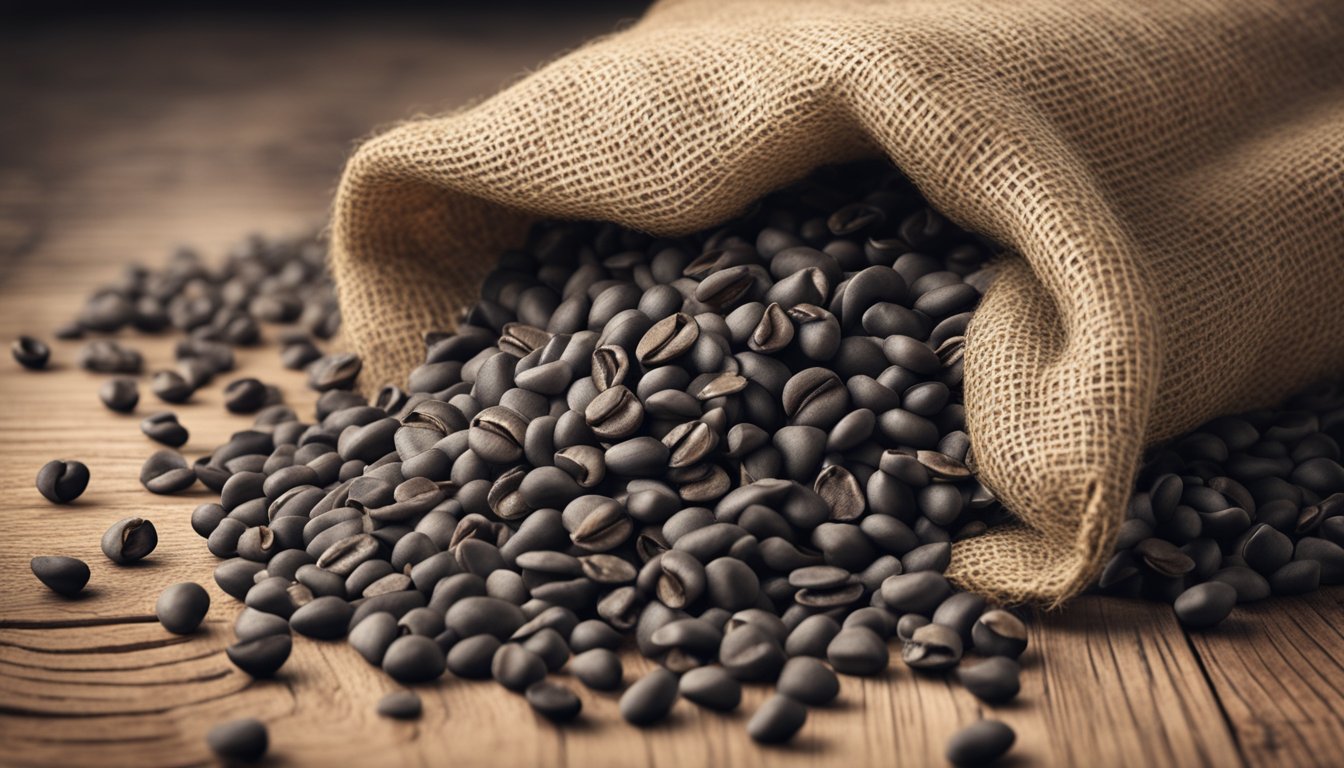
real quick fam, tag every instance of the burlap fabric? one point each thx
(1170, 172)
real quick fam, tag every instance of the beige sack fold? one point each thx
(1170, 172)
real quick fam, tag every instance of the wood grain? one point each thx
(133, 138)
(1278, 669)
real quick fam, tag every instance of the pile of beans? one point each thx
(743, 451)
(1242, 508)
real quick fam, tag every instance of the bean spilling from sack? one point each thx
(742, 452)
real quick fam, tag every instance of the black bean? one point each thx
(400, 705)
(682, 579)
(414, 659)
(726, 287)
(556, 618)
(422, 621)
(712, 688)
(593, 634)
(62, 481)
(777, 720)
(299, 354)
(614, 414)
(808, 285)
(343, 555)
(689, 442)
(553, 701)
(496, 435)
(334, 371)
(879, 620)
(271, 595)
(812, 636)
(919, 592)
(1164, 557)
(245, 396)
(243, 741)
(912, 354)
(1205, 605)
(867, 288)
(947, 300)
(637, 457)
(257, 543)
(31, 353)
(1296, 578)
(1249, 585)
(252, 624)
(325, 618)
(1322, 475)
(192, 374)
(471, 657)
(686, 642)
(751, 653)
(607, 569)
(731, 584)
(171, 387)
(932, 647)
(668, 339)
(1266, 549)
(165, 471)
(598, 668)
(819, 577)
(807, 680)
(999, 633)
(1329, 554)
(960, 612)
(65, 576)
(815, 397)
(649, 699)
(223, 540)
(261, 657)
(818, 332)
(994, 680)
(908, 429)
(605, 527)
(857, 651)
(773, 332)
(473, 616)
(129, 540)
(516, 668)
(549, 645)
(182, 607)
(610, 366)
(979, 743)
(240, 488)
(236, 576)
(282, 480)
(120, 395)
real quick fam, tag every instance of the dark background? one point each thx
(148, 112)
(59, 11)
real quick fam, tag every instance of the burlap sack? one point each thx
(1171, 173)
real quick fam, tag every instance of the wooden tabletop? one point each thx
(125, 137)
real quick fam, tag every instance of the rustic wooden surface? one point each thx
(123, 139)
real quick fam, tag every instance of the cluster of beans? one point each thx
(745, 449)
(215, 309)
(742, 450)
(263, 280)
(1242, 508)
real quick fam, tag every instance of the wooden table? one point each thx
(124, 138)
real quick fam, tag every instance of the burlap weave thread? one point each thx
(1170, 176)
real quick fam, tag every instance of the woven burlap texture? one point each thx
(1169, 174)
